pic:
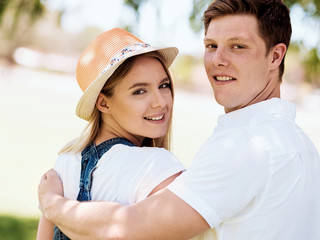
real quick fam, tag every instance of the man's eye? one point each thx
(237, 46)
(211, 46)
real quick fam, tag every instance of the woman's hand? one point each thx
(49, 190)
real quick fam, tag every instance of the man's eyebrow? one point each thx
(208, 39)
(237, 38)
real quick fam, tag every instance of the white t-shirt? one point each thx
(123, 174)
(257, 177)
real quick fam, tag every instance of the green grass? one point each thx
(18, 228)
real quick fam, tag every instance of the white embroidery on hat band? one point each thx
(123, 54)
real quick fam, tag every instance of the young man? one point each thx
(256, 177)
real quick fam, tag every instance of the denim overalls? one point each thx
(89, 159)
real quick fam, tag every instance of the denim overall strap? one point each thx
(89, 159)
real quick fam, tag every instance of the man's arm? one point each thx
(160, 216)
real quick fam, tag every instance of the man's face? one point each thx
(235, 60)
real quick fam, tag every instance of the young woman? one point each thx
(128, 96)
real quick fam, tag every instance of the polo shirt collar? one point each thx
(243, 116)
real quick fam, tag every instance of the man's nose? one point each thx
(219, 57)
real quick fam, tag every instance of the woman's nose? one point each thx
(158, 100)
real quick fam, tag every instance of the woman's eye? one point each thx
(138, 92)
(165, 85)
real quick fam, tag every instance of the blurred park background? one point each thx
(40, 43)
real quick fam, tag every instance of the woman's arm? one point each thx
(161, 216)
(164, 183)
(45, 229)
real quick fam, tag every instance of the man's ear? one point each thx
(278, 53)
(102, 103)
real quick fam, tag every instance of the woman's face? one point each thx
(142, 102)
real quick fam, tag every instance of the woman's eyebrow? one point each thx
(139, 84)
(144, 84)
(165, 80)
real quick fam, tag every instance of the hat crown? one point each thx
(99, 54)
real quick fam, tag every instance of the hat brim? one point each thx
(88, 100)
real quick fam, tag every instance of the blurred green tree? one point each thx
(135, 5)
(312, 67)
(16, 16)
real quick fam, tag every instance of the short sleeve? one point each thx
(156, 166)
(225, 177)
(68, 167)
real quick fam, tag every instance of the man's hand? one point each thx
(50, 188)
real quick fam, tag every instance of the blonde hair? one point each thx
(91, 130)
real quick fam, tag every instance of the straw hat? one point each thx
(102, 57)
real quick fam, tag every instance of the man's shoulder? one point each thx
(234, 145)
(235, 137)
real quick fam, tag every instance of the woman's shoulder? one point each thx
(139, 154)
(144, 151)
(69, 156)
(67, 159)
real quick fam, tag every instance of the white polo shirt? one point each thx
(257, 177)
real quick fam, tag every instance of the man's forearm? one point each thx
(87, 220)
(160, 216)
(81, 220)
